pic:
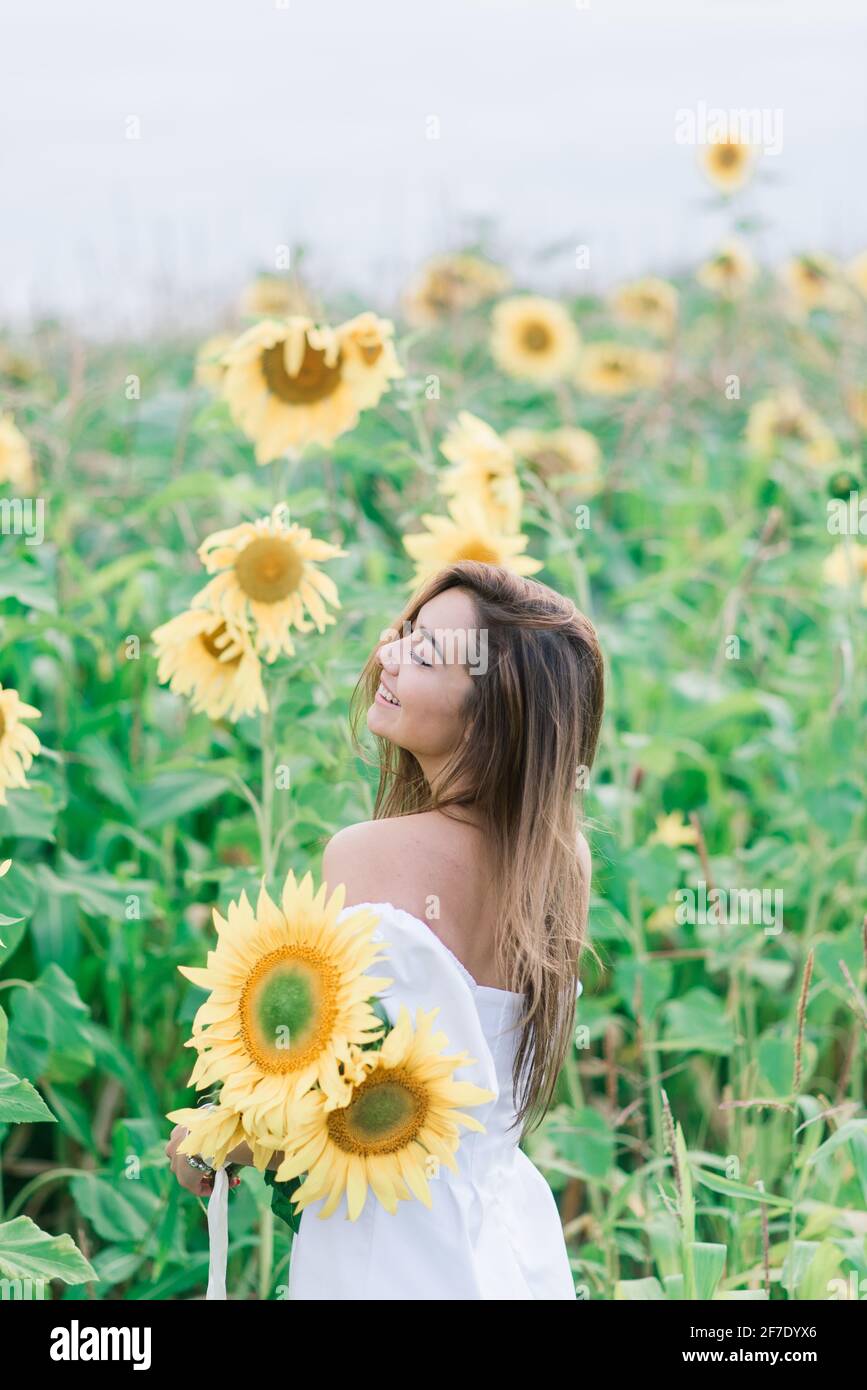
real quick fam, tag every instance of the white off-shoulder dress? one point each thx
(493, 1231)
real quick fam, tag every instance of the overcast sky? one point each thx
(263, 123)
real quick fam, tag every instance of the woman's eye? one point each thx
(422, 663)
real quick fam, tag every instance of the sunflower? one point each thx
(730, 270)
(200, 656)
(215, 1131)
(814, 282)
(617, 369)
(449, 284)
(290, 383)
(466, 534)
(483, 467)
(560, 455)
(403, 1115)
(18, 743)
(16, 367)
(210, 368)
(649, 303)
(727, 163)
(857, 272)
(533, 338)
(288, 997)
(16, 462)
(673, 830)
(265, 575)
(784, 419)
(845, 566)
(270, 296)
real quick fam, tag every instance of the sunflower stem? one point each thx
(266, 1252)
(266, 820)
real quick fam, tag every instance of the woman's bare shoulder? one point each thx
(377, 860)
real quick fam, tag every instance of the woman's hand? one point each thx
(192, 1178)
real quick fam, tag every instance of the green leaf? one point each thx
(776, 1064)
(709, 1263)
(27, 1253)
(727, 1187)
(697, 1023)
(280, 1195)
(174, 794)
(655, 977)
(29, 814)
(122, 1211)
(655, 869)
(852, 1131)
(20, 1102)
(48, 1021)
(27, 583)
(584, 1139)
(639, 1291)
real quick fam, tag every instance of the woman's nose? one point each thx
(389, 654)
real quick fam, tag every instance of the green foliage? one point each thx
(736, 701)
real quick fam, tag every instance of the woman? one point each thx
(486, 702)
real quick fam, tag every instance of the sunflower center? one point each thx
(287, 1008)
(210, 642)
(385, 1114)
(536, 337)
(444, 287)
(371, 352)
(2, 724)
(269, 569)
(550, 461)
(727, 155)
(791, 427)
(314, 381)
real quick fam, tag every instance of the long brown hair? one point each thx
(535, 714)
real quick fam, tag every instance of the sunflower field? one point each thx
(201, 544)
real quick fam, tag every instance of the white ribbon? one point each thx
(218, 1235)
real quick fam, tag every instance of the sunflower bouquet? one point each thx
(308, 1064)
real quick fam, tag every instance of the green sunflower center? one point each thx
(211, 644)
(385, 1114)
(314, 381)
(269, 569)
(288, 1007)
(536, 337)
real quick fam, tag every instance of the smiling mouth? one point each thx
(386, 696)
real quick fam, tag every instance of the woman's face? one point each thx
(428, 672)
